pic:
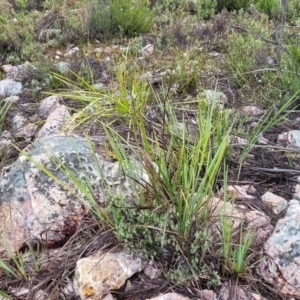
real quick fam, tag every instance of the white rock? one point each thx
(169, 296)
(98, 50)
(297, 192)
(147, 50)
(18, 121)
(276, 203)
(236, 191)
(290, 139)
(12, 99)
(109, 297)
(56, 120)
(261, 140)
(72, 51)
(40, 295)
(47, 105)
(252, 110)
(9, 87)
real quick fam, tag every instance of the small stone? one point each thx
(48, 105)
(12, 99)
(290, 139)
(169, 296)
(152, 271)
(40, 295)
(297, 192)
(236, 191)
(109, 297)
(72, 51)
(147, 50)
(9, 87)
(261, 140)
(27, 131)
(252, 111)
(18, 121)
(208, 295)
(98, 50)
(102, 272)
(276, 203)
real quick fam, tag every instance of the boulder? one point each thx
(44, 194)
(282, 264)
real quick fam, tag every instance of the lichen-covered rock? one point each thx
(102, 272)
(40, 202)
(282, 265)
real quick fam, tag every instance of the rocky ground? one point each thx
(59, 171)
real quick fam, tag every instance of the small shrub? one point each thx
(269, 7)
(17, 33)
(132, 17)
(293, 11)
(205, 8)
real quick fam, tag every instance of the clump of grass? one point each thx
(170, 214)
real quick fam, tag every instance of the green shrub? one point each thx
(269, 7)
(293, 11)
(272, 8)
(205, 8)
(131, 17)
(17, 33)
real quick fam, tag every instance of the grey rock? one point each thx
(47, 105)
(18, 73)
(33, 206)
(9, 87)
(18, 121)
(27, 131)
(12, 99)
(282, 264)
(72, 51)
(290, 139)
(55, 122)
(169, 296)
(39, 202)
